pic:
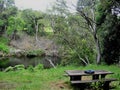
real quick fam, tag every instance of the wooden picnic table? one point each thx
(97, 76)
(77, 74)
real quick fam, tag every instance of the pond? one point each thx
(27, 61)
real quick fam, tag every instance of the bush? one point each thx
(4, 40)
(4, 48)
(34, 53)
(4, 62)
(30, 68)
(39, 67)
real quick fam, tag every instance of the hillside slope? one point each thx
(26, 43)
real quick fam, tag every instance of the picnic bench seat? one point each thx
(105, 81)
(91, 81)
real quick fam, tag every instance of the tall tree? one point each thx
(71, 34)
(109, 24)
(15, 24)
(87, 9)
(7, 9)
(33, 18)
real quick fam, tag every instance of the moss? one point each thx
(33, 53)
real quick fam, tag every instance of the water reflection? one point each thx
(12, 61)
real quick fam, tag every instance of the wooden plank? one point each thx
(82, 73)
(90, 81)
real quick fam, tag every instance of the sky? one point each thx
(41, 5)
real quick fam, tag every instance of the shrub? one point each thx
(35, 53)
(4, 40)
(4, 48)
(30, 68)
(39, 67)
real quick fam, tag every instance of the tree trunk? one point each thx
(36, 30)
(51, 63)
(94, 33)
(98, 57)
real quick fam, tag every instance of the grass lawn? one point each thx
(48, 79)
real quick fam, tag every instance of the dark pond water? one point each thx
(27, 61)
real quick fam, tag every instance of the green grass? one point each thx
(47, 79)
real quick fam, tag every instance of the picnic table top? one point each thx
(82, 72)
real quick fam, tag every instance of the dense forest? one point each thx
(87, 37)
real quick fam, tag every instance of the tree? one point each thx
(108, 24)
(86, 9)
(57, 14)
(33, 19)
(68, 30)
(7, 9)
(15, 24)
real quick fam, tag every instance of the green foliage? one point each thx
(30, 68)
(1, 22)
(7, 10)
(75, 39)
(34, 52)
(3, 45)
(72, 32)
(4, 40)
(111, 43)
(78, 46)
(97, 86)
(4, 62)
(39, 67)
(108, 26)
(32, 18)
(4, 48)
(100, 15)
(15, 23)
